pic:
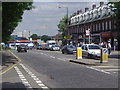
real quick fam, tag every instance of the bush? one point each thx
(4, 48)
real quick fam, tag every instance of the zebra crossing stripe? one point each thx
(23, 79)
(34, 77)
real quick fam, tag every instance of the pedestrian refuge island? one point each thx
(79, 53)
(104, 55)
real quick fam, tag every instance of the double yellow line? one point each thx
(19, 60)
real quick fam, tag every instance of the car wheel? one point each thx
(62, 52)
(89, 56)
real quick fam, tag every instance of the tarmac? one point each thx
(8, 60)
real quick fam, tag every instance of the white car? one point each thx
(91, 50)
(55, 48)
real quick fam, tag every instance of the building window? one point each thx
(106, 25)
(110, 25)
(99, 27)
(102, 26)
(96, 27)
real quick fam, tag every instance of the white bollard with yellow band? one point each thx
(104, 55)
(79, 53)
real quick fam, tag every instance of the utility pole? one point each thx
(29, 34)
(22, 33)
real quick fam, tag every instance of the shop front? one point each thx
(77, 38)
(96, 38)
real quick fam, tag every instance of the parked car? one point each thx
(91, 50)
(55, 48)
(47, 47)
(22, 48)
(43, 47)
(68, 49)
(38, 47)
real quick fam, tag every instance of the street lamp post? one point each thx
(66, 33)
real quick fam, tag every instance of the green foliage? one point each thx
(4, 48)
(116, 10)
(45, 38)
(36, 43)
(35, 36)
(63, 25)
(12, 14)
(0, 14)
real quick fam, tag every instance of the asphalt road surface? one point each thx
(52, 69)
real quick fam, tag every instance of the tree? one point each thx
(12, 14)
(116, 15)
(45, 38)
(63, 26)
(35, 36)
(0, 22)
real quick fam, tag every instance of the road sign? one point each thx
(104, 55)
(88, 32)
(79, 53)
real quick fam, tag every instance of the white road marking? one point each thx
(23, 79)
(61, 59)
(98, 70)
(112, 70)
(34, 77)
(41, 53)
(52, 56)
(106, 66)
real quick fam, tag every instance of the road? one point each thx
(52, 69)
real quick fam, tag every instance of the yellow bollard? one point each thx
(104, 55)
(79, 53)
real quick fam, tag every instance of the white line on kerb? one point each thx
(98, 70)
(23, 79)
(34, 77)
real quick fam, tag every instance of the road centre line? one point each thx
(23, 79)
(34, 77)
(52, 56)
(61, 59)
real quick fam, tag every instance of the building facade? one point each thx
(94, 25)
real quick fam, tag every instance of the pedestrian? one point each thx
(92, 42)
(80, 44)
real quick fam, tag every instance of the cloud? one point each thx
(46, 16)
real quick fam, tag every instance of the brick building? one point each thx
(100, 23)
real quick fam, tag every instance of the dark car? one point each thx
(43, 47)
(38, 47)
(69, 49)
(22, 48)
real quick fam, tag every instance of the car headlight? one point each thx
(92, 52)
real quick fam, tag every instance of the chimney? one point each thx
(79, 11)
(101, 4)
(86, 9)
(93, 6)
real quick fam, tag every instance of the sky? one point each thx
(44, 18)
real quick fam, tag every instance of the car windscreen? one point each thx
(70, 46)
(93, 47)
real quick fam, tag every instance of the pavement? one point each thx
(112, 60)
(8, 60)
